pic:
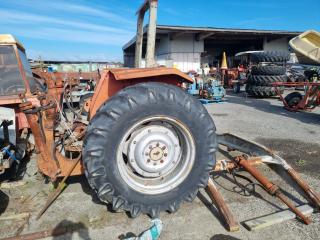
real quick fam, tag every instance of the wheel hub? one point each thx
(153, 151)
(156, 153)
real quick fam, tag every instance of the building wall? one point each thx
(162, 52)
(186, 44)
(186, 53)
(128, 59)
(281, 44)
(164, 46)
(182, 52)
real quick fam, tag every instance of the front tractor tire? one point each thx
(148, 148)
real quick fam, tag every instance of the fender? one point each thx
(113, 81)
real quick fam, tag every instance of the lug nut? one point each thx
(157, 144)
(165, 154)
(161, 161)
(163, 148)
(150, 147)
(148, 160)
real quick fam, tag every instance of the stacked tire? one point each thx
(262, 76)
(312, 74)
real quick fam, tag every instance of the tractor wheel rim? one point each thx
(156, 155)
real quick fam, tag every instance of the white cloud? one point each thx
(56, 29)
(57, 22)
(56, 7)
(58, 34)
(23, 18)
(77, 8)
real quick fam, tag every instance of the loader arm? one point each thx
(112, 81)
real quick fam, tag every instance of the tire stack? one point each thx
(312, 74)
(262, 76)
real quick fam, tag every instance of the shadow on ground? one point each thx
(209, 205)
(223, 237)
(266, 106)
(69, 228)
(17, 171)
(127, 235)
(304, 157)
(4, 202)
(82, 180)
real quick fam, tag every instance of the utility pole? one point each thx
(152, 6)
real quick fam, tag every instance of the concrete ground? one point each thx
(295, 136)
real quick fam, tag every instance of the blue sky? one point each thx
(97, 29)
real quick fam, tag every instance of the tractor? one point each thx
(144, 146)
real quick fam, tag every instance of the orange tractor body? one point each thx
(142, 142)
(34, 103)
(110, 83)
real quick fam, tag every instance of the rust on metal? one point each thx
(145, 73)
(309, 101)
(45, 164)
(50, 161)
(270, 187)
(112, 81)
(223, 208)
(227, 165)
(246, 146)
(314, 197)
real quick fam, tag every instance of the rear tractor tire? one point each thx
(148, 148)
(293, 99)
(262, 91)
(268, 70)
(270, 56)
(265, 80)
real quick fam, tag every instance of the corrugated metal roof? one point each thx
(161, 29)
(232, 30)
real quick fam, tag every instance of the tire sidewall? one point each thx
(164, 107)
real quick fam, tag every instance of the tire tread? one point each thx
(128, 100)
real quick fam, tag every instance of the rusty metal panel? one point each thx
(125, 74)
(112, 81)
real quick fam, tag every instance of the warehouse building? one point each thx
(190, 48)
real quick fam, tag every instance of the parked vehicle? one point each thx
(141, 147)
